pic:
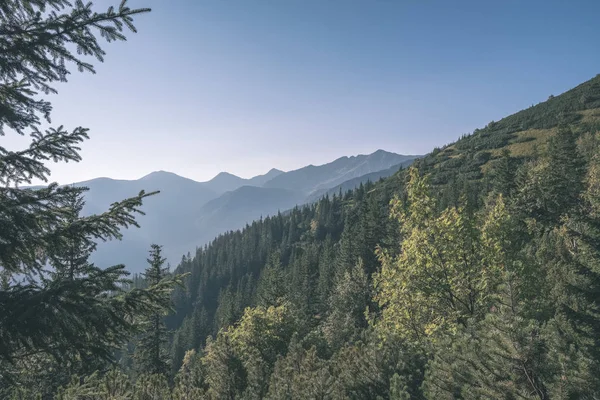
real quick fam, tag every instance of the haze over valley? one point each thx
(189, 214)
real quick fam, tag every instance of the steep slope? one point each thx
(236, 208)
(314, 178)
(233, 209)
(299, 272)
(260, 180)
(339, 230)
(297, 256)
(355, 182)
(523, 134)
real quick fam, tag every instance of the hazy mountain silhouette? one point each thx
(225, 181)
(187, 214)
(355, 182)
(314, 178)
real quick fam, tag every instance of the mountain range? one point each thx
(188, 214)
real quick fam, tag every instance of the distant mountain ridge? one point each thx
(225, 181)
(355, 182)
(187, 214)
(313, 178)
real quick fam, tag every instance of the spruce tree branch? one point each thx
(55, 144)
(30, 224)
(41, 29)
(61, 311)
(37, 54)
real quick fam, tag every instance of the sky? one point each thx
(244, 86)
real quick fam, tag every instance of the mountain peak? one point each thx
(225, 175)
(311, 178)
(260, 180)
(160, 174)
(381, 151)
(224, 181)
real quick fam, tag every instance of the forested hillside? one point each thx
(466, 250)
(473, 274)
(473, 278)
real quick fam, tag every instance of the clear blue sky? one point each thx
(246, 85)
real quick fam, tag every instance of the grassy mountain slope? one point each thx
(523, 134)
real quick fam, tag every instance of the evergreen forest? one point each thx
(472, 274)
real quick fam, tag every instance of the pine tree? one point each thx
(112, 386)
(372, 368)
(446, 271)
(326, 275)
(504, 174)
(566, 171)
(300, 375)
(151, 387)
(40, 312)
(151, 350)
(505, 356)
(550, 187)
(189, 382)
(182, 340)
(226, 376)
(348, 302)
(271, 289)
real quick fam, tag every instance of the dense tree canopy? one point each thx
(475, 274)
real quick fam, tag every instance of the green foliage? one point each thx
(503, 174)
(465, 157)
(539, 338)
(228, 377)
(115, 385)
(112, 386)
(152, 387)
(36, 39)
(484, 283)
(446, 270)
(151, 351)
(372, 368)
(349, 300)
(268, 330)
(293, 258)
(240, 360)
(300, 375)
(551, 186)
(478, 288)
(271, 285)
(59, 314)
(189, 383)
